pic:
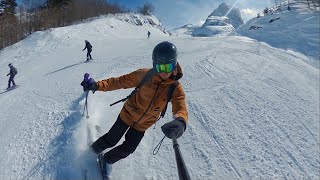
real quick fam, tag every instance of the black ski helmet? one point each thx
(164, 53)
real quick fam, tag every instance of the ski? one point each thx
(12, 88)
(100, 164)
(85, 172)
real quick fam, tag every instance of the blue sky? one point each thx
(176, 13)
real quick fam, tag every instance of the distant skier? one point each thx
(149, 33)
(144, 106)
(13, 72)
(89, 49)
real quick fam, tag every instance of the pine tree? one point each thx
(57, 3)
(8, 6)
(146, 9)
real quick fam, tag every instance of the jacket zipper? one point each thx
(149, 104)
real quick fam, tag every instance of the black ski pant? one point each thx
(132, 139)
(11, 79)
(89, 54)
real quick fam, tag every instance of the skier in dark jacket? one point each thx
(12, 73)
(144, 107)
(89, 49)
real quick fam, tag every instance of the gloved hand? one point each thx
(8, 74)
(89, 83)
(174, 129)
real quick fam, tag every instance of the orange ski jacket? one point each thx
(143, 109)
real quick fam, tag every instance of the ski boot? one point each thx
(105, 167)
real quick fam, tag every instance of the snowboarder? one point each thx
(149, 33)
(13, 72)
(89, 49)
(143, 108)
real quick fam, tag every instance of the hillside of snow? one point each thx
(297, 30)
(185, 30)
(253, 108)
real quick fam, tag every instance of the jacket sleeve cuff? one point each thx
(183, 121)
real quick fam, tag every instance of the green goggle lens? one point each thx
(167, 68)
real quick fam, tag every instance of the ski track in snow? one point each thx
(206, 67)
(253, 109)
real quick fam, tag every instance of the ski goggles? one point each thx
(167, 68)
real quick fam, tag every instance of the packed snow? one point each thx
(253, 108)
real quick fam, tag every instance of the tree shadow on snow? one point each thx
(64, 68)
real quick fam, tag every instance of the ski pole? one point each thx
(182, 169)
(87, 104)
(85, 108)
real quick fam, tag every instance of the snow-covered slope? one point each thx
(184, 30)
(296, 30)
(253, 109)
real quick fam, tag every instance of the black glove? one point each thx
(8, 74)
(89, 84)
(174, 129)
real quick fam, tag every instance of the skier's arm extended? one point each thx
(179, 107)
(123, 82)
(175, 128)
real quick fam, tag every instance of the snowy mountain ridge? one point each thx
(222, 21)
(141, 20)
(232, 13)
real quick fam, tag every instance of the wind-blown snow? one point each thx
(253, 108)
